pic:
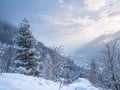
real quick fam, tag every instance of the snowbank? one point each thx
(22, 82)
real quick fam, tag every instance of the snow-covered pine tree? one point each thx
(111, 67)
(48, 68)
(94, 72)
(52, 65)
(1, 63)
(25, 61)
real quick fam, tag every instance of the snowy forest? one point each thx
(35, 56)
(23, 54)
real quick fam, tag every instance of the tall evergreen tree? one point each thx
(25, 61)
(94, 71)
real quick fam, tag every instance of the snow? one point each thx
(9, 81)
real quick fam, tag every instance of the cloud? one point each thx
(111, 9)
(95, 5)
(80, 22)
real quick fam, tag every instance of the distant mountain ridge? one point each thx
(7, 32)
(93, 48)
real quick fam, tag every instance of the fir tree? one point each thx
(94, 71)
(25, 61)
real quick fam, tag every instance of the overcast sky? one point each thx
(71, 23)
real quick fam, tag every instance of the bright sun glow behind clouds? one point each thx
(77, 23)
(71, 23)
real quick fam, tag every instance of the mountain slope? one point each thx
(22, 82)
(7, 32)
(93, 48)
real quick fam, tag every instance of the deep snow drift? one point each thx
(10, 81)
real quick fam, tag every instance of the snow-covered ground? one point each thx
(10, 81)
